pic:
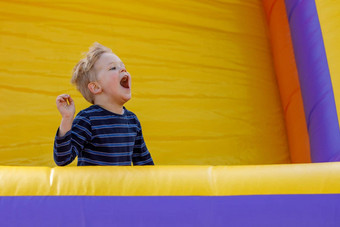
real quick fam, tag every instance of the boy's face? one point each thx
(112, 77)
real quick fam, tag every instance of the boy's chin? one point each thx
(126, 97)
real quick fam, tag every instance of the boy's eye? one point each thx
(113, 68)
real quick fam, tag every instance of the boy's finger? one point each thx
(64, 96)
(70, 100)
(59, 97)
(61, 100)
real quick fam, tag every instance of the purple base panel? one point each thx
(254, 210)
(315, 80)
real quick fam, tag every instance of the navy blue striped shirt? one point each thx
(100, 137)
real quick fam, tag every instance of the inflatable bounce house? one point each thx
(239, 102)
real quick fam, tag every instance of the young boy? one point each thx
(105, 133)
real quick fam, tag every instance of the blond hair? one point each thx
(83, 72)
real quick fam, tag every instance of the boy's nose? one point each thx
(122, 69)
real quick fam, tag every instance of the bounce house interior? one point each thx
(239, 101)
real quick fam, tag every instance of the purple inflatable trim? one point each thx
(254, 210)
(315, 81)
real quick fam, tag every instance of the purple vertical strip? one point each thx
(315, 81)
(155, 211)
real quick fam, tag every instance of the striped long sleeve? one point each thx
(67, 147)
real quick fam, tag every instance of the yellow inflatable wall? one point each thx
(203, 81)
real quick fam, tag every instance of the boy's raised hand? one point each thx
(67, 110)
(66, 106)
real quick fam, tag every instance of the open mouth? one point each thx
(124, 82)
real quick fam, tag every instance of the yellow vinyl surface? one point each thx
(321, 178)
(329, 12)
(203, 83)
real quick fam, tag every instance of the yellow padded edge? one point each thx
(171, 180)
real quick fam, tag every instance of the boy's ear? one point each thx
(95, 88)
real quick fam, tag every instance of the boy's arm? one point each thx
(68, 146)
(63, 153)
(67, 110)
(72, 135)
(141, 154)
